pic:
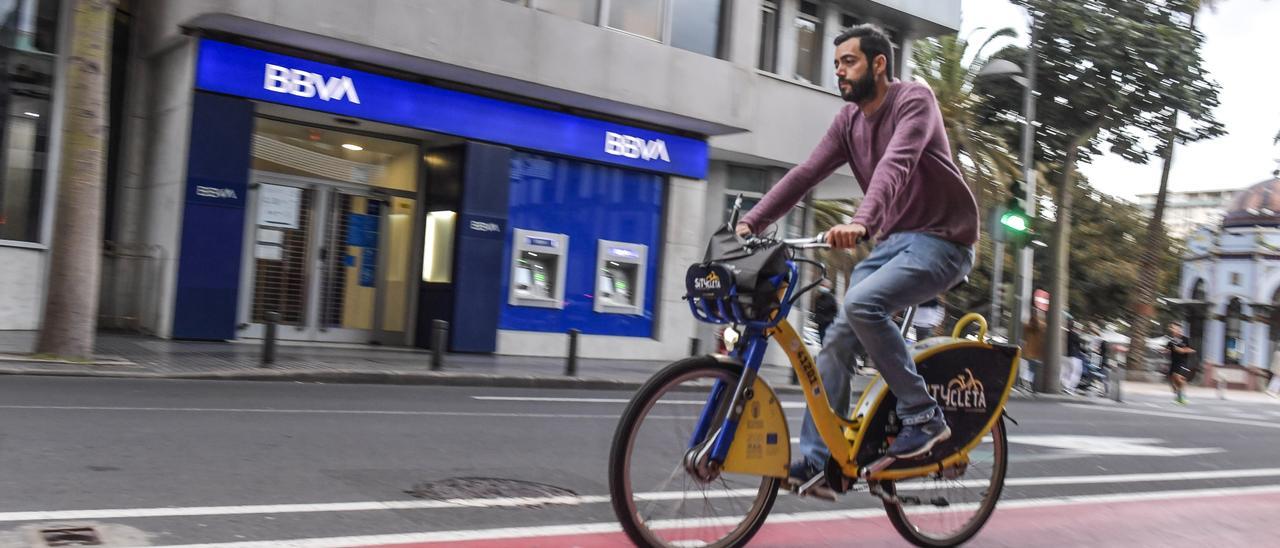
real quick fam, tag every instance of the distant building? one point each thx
(1186, 211)
(1229, 295)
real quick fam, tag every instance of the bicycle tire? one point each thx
(637, 527)
(913, 533)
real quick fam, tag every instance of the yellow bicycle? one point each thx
(703, 447)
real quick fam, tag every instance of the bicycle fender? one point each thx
(761, 445)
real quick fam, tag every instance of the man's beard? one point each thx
(861, 89)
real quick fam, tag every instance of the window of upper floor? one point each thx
(693, 25)
(798, 31)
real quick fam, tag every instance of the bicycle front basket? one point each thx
(735, 284)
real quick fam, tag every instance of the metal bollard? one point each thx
(695, 345)
(439, 340)
(571, 364)
(1117, 375)
(269, 343)
(1222, 389)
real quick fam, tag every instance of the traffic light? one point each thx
(1015, 218)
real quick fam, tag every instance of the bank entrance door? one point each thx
(332, 259)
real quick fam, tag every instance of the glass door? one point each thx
(332, 260)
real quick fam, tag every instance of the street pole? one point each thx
(1022, 274)
(997, 278)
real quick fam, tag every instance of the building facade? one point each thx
(1230, 288)
(357, 170)
(1184, 212)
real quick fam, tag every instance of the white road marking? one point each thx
(615, 416)
(798, 517)
(785, 404)
(1111, 445)
(509, 502)
(1188, 416)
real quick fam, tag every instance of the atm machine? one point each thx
(537, 268)
(620, 274)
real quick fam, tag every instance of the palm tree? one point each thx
(986, 159)
(829, 213)
(950, 66)
(1155, 245)
(71, 304)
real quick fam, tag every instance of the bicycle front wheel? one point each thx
(657, 499)
(948, 508)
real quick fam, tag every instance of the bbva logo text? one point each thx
(309, 84)
(628, 146)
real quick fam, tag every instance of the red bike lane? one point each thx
(1226, 517)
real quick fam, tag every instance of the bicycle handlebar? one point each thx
(813, 242)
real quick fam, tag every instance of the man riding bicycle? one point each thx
(918, 207)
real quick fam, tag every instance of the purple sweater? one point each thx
(902, 161)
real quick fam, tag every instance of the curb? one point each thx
(402, 378)
(437, 378)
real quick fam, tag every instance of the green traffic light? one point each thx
(1014, 220)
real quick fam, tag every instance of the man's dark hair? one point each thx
(873, 41)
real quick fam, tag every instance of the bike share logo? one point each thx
(635, 148)
(963, 392)
(708, 282)
(309, 84)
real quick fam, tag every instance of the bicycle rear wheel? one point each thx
(658, 501)
(949, 508)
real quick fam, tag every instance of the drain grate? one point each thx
(70, 536)
(484, 488)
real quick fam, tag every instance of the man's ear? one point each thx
(881, 61)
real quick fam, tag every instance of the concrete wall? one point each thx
(22, 299)
(153, 177)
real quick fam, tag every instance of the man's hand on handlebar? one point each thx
(743, 230)
(846, 236)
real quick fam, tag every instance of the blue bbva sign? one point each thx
(265, 76)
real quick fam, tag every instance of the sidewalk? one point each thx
(137, 356)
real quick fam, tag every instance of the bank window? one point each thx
(28, 38)
(695, 25)
(640, 17)
(768, 37)
(808, 42)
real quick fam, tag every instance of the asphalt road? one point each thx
(244, 464)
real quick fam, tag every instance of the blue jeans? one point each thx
(904, 270)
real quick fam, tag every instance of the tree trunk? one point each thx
(1153, 247)
(1059, 289)
(1142, 309)
(71, 302)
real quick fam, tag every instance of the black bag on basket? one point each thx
(752, 269)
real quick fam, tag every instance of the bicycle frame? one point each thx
(842, 437)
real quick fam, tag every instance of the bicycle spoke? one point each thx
(684, 511)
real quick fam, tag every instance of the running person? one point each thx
(1179, 348)
(918, 207)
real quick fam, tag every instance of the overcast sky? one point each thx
(1241, 55)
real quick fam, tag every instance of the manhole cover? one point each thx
(70, 536)
(489, 488)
